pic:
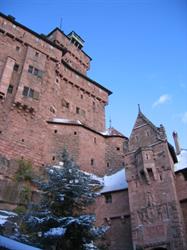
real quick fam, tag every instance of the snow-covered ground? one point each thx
(182, 161)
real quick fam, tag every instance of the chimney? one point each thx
(176, 141)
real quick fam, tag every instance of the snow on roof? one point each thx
(14, 245)
(62, 120)
(115, 182)
(182, 161)
(112, 132)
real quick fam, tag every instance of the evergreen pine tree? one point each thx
(60, 220)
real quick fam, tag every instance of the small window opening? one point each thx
(92, 162)
(108, 198)
(150, 173)
(147, 133)
(30, 69)
(95, 140)
(0, 132)
(25, 91)
(81, 96)
(161, 178)
(94, 106)
(53, 158)
(52, 110)
(75, 133)
(123, 163)
(118, 148)
(77, 110)
(36, 71)
(147, 156)
(22, 140)
(36, 54)
(17, 48)
(31, 93)
(143, 175)
(55, 131)
(28, 92)
(16, 67)
(108, 164)
(10, 89)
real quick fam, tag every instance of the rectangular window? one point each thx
(31, 93)
(92, 162)
(28, 92)
(108, 198)
(16, 67)
(150, 173)
(36, 71)
(30, 69)
(94, 106)
(10, 89)
(25, 91)
(142, 173)
(77, 110)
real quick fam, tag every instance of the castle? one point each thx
(48, 102)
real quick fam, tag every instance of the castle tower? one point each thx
(156, 217)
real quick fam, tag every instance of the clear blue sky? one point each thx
(139, 51)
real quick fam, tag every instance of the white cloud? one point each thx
(184, 117)
(162, 99)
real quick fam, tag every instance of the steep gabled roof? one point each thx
(160, 131)
(146, 120)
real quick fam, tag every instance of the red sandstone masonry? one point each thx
(66, 92)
